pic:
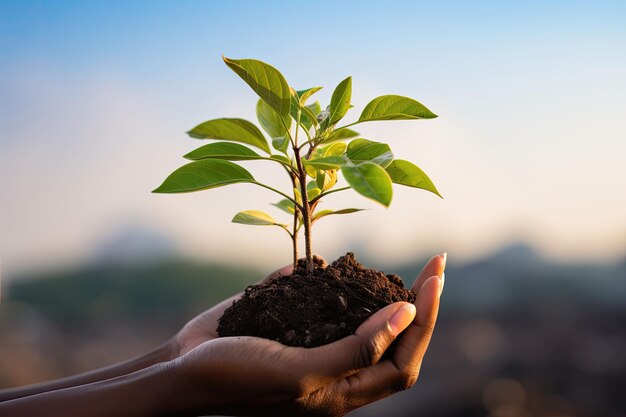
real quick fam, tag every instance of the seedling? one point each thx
(307, 143)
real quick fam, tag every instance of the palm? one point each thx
(203, 327)
(255, 373)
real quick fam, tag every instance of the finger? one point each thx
(365, 347)
(414, 342)
(435, 266)
(401, 372)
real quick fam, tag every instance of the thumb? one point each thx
(366, 346)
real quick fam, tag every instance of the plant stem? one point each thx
(295, 203)
(306, 211)
(294, 238)
(348, 125)
(328, 192)
(287, 131)
(308, 142)
(312, 147)
(294, 235)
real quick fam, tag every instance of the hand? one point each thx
(203, 327)
(247, 375)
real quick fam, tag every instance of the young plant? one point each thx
(309, 146)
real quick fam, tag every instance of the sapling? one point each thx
(308, 144)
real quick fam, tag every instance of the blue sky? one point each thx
(95, 98)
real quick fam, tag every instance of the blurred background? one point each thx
(529, 153)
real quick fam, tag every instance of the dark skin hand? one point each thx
(330, 380)
(199, 373)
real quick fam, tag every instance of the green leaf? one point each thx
(256, 218)
(406, 173)
(329, 162)
(392, 107)
(369, 180)
(324, 213)
(223, 150)
(236, 130)
(202, 175)
(340, 101)
(341, 134)
(285, 205)
(361, 150)
(326, 179)
(281, 143)
(309, 114)
(315, 109)
(312, 191)
(266, 81)
(270, 121)
(298, 195)
(303, 95)
(281, 158)
(335, 149)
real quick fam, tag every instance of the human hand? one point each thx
(247, 375)
(203, 327)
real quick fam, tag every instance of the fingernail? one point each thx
(444, 257)
(401, 319)
(443, 281)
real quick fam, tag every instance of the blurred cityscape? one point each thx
(518, 336)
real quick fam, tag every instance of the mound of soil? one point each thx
(313, 309)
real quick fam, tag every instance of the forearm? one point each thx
(153, 391)
(160, 354)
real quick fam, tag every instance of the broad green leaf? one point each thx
(326, 179)
(303, 95)
(324, 213)
(310, 169)
(202, 175)
(236, 130)
(266, 81)
(392, 107)
(329, 162)
(361, 150)
(315, 108)
(270, 121)
(281, 143)
(335, 149)
(281, 158)
(223, 150)
(341, 134)
(312, 191)
(298, 195)
(369, 180)
(285, 205)
(406, 173)
(256, 218)
(340, 101)
(309, 115)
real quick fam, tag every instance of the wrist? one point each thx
(198, 388)
(169, 393)
(152, 391)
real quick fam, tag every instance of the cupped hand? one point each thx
(203, 327)
(254, 376)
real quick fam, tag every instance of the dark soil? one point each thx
(316, 309)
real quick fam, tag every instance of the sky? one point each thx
(530, 143)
